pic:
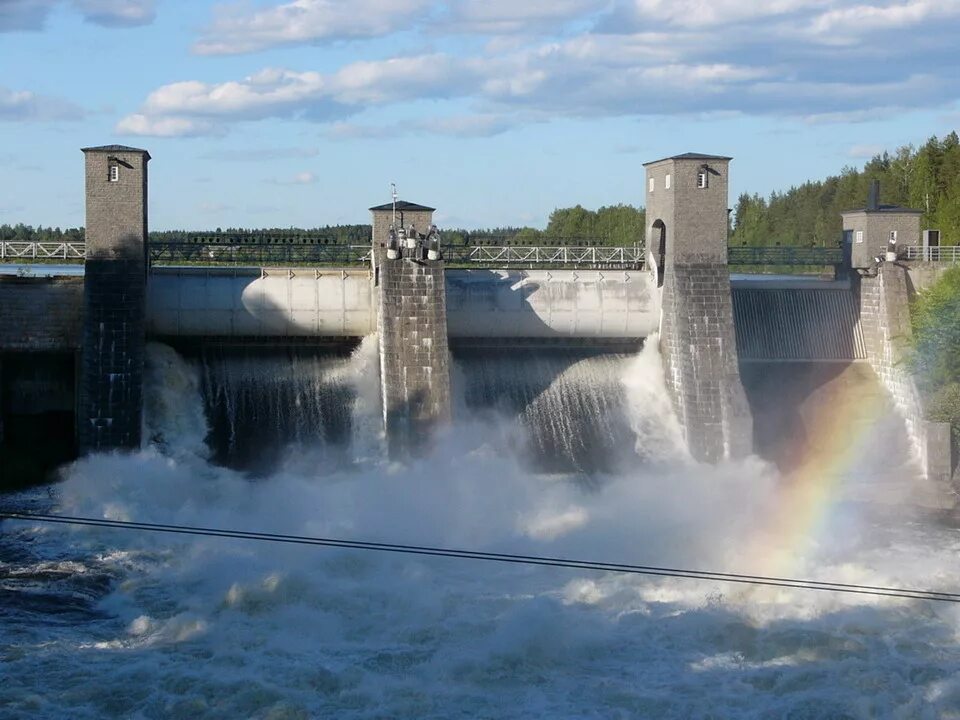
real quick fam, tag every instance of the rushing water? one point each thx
(98, 623)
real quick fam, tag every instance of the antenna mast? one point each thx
(393, 192)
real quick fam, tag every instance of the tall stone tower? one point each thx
(412, 328)
(687, 225)
(111, 367)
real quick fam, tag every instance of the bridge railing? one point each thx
(34, 251)
(520, 255)
(206, 254)
(784, 255)
(948, 254)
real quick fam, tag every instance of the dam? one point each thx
(568, 400)
(424, 302)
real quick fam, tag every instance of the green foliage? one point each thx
(927, 178)
(944, 406)
(935, 316)
(609, 225)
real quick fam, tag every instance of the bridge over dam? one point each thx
(76, 341)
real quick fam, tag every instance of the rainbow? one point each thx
(838, 423)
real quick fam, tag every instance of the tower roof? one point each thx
(689, 156)
(115, 148)
(402, 205)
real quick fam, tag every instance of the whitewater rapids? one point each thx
(98, 623)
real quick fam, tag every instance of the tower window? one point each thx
(114, 172)
(859, 236)
(666, 182)
(651, 183)
(702, 179)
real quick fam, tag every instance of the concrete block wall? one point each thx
(885, 319)
(702, 374)
(414, 356)
(41, 314)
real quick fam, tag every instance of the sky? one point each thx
(279, 113)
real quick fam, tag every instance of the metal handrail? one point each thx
(506, 255)
(190, 253)
(16, 250)
(943, 253)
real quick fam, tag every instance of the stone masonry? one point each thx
(414, 358)
(41, 314)
(885, 319)
(688, 195)
(111, 374)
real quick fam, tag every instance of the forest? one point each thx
(925, 178)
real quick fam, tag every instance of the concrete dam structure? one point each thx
(420, 308)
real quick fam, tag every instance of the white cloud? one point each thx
(139, 124)
(18, 15)
(301, 178)
(510, 16)
(861, 152)
(710, 13)
(24, 105)
(24, 14)
(647, 58)
(236, 30)
(117, 13)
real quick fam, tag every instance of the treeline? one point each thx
(611, 225)
(925, 178)
(28, 233)
(335, 234)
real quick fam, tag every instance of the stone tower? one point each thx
(687, 225)
(412, 329)
(111, 367)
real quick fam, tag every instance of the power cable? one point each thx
(764, 580)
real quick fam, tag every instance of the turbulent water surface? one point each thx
(98, 623)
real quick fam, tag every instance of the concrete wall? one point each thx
(249, 302)
(551, 303)
(41, 314)
(885, 318)
(193, 302)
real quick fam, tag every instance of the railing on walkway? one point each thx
(771, 256)
(12, 250)
(193, 253)
(950, 254)
(519, 255)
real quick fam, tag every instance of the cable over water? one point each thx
(706, 575)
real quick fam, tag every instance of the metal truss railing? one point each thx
(12, 250)
(194, 253)
(512, 255)
(948, 254)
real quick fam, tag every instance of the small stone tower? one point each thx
(412, 327)
(111, 367)
(686, 206)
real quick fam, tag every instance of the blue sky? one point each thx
(301, 113)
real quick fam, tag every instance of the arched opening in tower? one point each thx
(661, 246)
